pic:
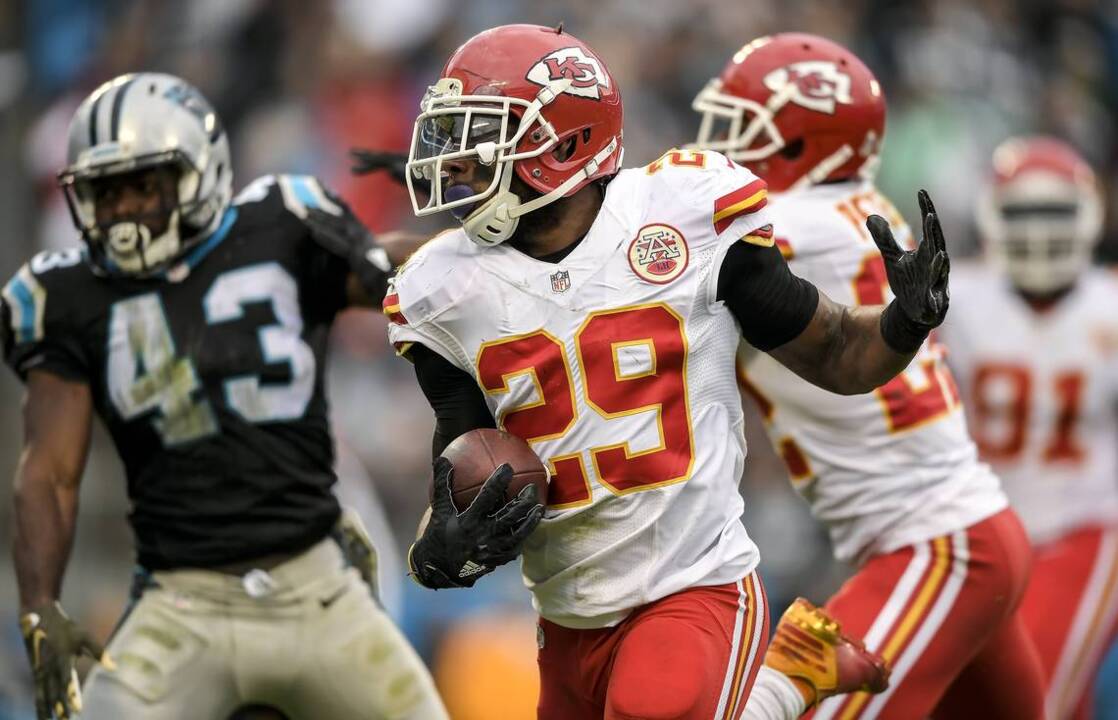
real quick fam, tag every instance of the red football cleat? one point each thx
(809, 646)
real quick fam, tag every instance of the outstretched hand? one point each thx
(364, 161)
(917, 277)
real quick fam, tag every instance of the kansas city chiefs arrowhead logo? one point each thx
(816, 84)
(583, 70)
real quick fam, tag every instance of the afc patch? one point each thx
(658, 254)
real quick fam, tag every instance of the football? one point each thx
(476, 454)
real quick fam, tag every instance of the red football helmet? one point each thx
(1041, 214)
(796, 109)
(521, 98)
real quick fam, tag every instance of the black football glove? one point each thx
(458, 548)
(342, 234)
(53, 642)
(917, 277)
(364, 161)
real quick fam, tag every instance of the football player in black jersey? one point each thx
(195, 325)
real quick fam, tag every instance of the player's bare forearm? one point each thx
(44, 531)
(853, 350)
(57, 417)
(358, 296)
(842, 350)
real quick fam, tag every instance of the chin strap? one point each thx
(496, 219)
(588, 170)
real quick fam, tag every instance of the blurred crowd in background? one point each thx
(299, 83)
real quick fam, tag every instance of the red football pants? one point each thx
(943, 613)
(689, 655)
(1071, 611)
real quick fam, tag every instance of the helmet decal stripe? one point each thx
(93, 119)
(118, 102)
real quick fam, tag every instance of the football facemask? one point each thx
(1042, 249)
(139, 244)
(739, 128)
(477, 128)
(484, 129)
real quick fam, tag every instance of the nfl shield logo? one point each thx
(561, 281)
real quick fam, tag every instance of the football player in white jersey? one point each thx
(942, 562)
(596, 313)
(1037, 358)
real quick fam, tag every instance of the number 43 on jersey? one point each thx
(146, 374)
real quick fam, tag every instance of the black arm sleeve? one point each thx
(771, 304)
(454, 395)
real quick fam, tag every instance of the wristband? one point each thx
(902, 334)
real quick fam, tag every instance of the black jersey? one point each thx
(210, 380)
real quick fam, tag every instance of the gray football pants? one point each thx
(307, 639)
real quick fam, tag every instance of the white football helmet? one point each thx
(1041, 215)
(139, 121)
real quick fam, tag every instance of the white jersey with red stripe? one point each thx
(617, 365)
(1042, 391)
(888, 468)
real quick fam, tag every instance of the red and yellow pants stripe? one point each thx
(943, 614)
(1071, 612)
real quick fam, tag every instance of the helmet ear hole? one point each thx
(793, 150)
(586, 135)
(565, 149)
